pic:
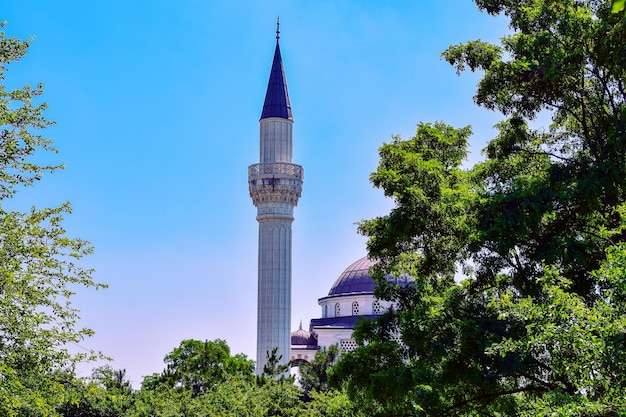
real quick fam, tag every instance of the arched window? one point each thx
(326, 310)
(376, 307)
(337, 310)
(355, 308)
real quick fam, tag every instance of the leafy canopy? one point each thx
(517, 305)
(200, 366)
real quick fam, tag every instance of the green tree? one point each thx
(112, 379)
(106, 394)
(235, 396)
(314, 374)
(162, 401)
(232, 393)
(535, 327)
(242, 397)
(335, 403)
(199, 366)
(39, 263)
(548, 193)
(273, 369)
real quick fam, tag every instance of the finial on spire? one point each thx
(300, 325)
(278, 28)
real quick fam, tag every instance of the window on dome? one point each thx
(326, 310)
(376, 307)
(337, 310)
(355, 308)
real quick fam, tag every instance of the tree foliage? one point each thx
(235, 396)
(107, 393)
(228, 388)
(314, 374)
(618, 6)
(536, 230)
(274, 370)
(39, 263)
(199, 366)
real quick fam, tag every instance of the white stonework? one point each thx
(328, 335)
(276, 143)
(275, 185)
(366, 305)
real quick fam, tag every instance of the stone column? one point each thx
(275, 188)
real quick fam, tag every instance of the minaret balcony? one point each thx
(275, 169)
(278, 182)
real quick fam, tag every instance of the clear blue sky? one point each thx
(157, 104)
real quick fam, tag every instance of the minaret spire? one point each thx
(277, 102)
(275, 186)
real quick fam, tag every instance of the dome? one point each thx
(356, 279)
(300, 337)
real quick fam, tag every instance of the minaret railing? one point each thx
(275, 168)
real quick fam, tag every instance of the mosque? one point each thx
(275, 185)
(351, 297)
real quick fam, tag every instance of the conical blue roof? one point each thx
(277, 98)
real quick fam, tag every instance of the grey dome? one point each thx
(301, 337)
(356, 279)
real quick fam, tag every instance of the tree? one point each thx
(39, 263)
(112, 379)
(199, 366)
(314, 374)
(535, 326)
(228, 388)
(558, 187)
(196, 383)
(335, 403)
(273, 369)
(106, 394)
(162, 401)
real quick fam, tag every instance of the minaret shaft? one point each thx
(274, 290)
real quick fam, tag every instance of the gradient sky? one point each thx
(157, 106)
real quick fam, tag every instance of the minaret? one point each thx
(275, 186)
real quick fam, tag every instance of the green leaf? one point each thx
(618, 6)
